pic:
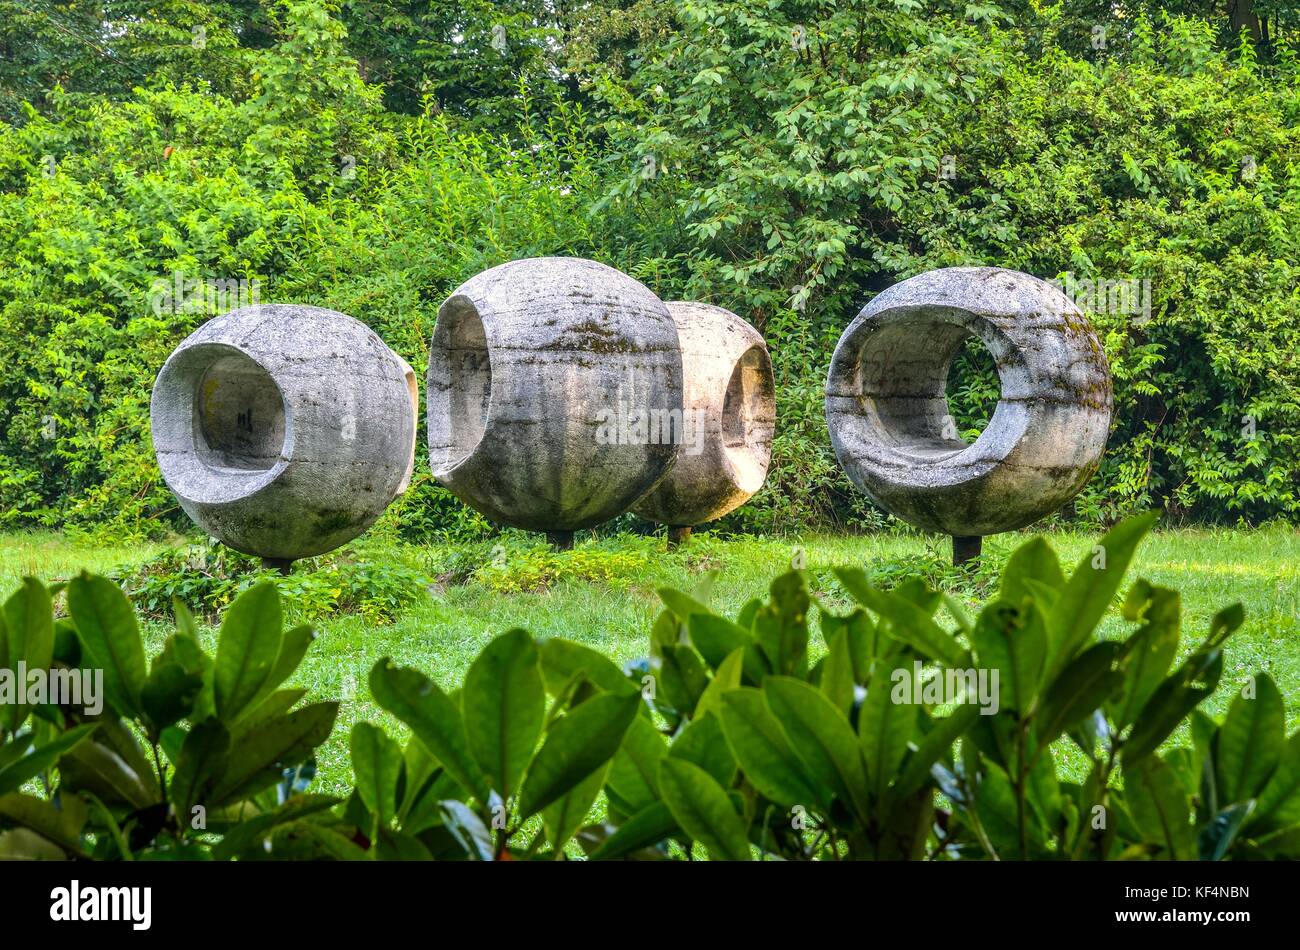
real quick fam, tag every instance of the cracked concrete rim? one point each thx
(886, 404)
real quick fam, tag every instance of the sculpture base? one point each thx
(560, 540)
(678, 534)
(282, 564)
(965, 549)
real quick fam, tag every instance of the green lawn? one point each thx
(442, 632)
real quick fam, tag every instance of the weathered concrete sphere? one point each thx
(888, 415)
(284, 431)
(729, 411)
(538, 372)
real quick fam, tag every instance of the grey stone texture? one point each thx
(284, 430)
(888, 415)
(538, 372)
(729, 412)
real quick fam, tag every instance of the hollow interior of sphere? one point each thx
(219, 422)
(902, 381)
(238, 416)
(747, 422)
(460, 385)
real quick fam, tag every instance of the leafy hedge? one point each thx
(822, 151)
(728, 741)
(786, 173)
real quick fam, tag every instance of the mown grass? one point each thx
(603, 595)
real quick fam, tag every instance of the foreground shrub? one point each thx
(187, 757)
(921, 732)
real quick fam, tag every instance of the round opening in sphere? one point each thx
(459, 384)
(747, 422)
(973, 388)
(904, 369)
(238, 415)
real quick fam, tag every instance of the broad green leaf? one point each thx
(1087, 594)
(681, 605)
(821, 737)
(247, 648)
(760, 746)
(633, 774)
(932, 747)
(23, 844)
(277, 703)
(468, 830)
(113, 732)
(837, 672)
(1279, 802)
(1156, 800)
(581, 742)
(649, 826)
(781, 625)
(293, 648)
(26, 635)
(168, 695)
(995, 802)
(257, 760)
(1081, 688)
(26, 768)
(377, 768)
(565, 815)
(1173, 700)
(682, 678)
(247, 834)
(702, 809)
(96, 768)
(110, 639)
(1034, 560)
(1148, 653)
(860, 638)
(200, 763)
(1217, 837)
(1013, 642)
(703, 743)
(726, 678)
(717, 638)
(306, 839)
(504, 702)
(905, 620)
(885, 728)
(433, 717)
(1250, 742)
(61, 825)
(393, 845)
(562, 658)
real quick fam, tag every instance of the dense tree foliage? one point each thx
(786, 160)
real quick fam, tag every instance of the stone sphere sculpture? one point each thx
(728, 416)
(888, 414)
(550, 380)
(284, 431)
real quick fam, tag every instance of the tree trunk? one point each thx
(1241, 16)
